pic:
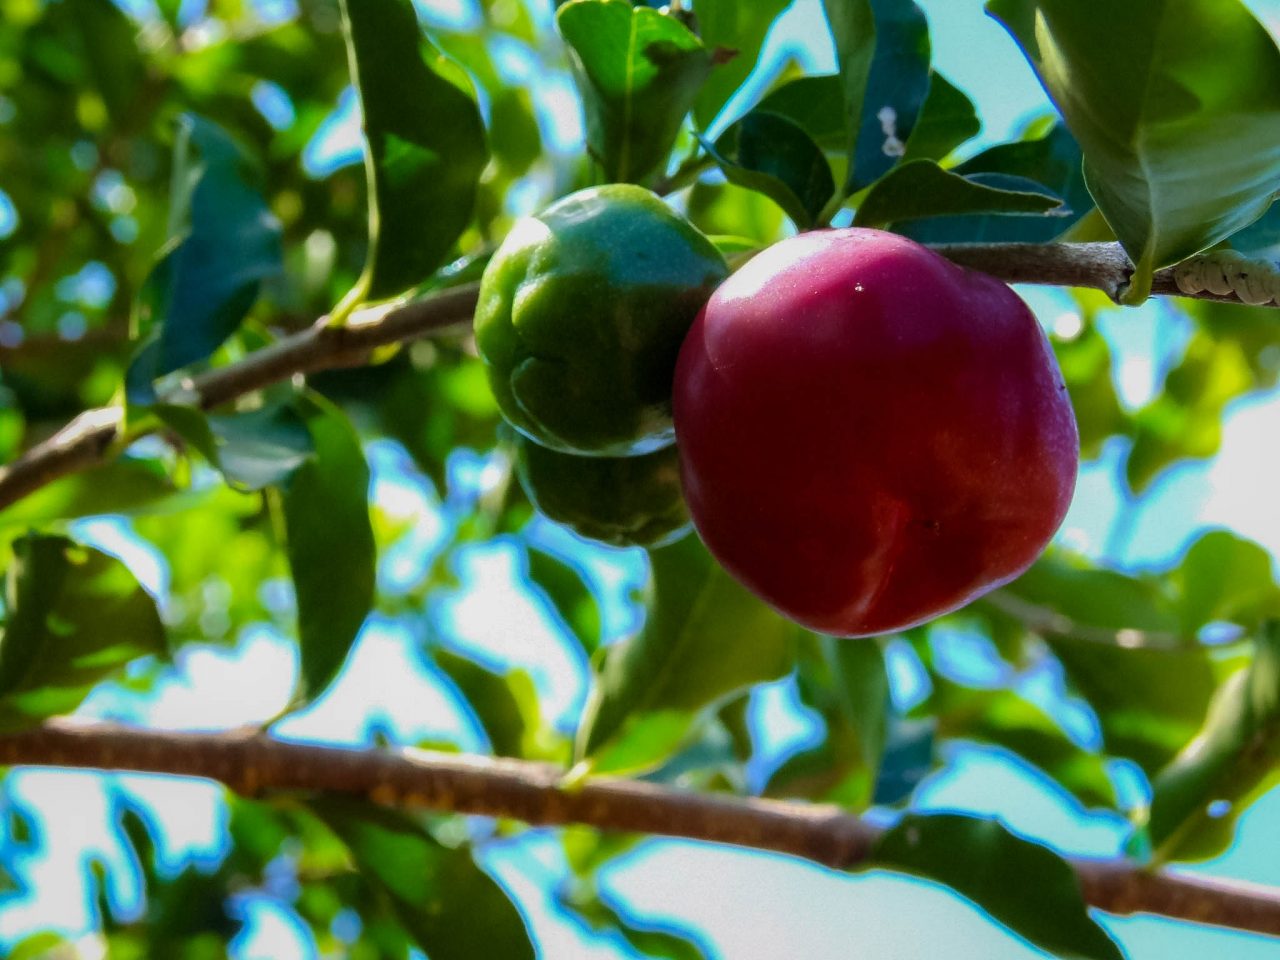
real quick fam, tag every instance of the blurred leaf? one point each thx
(330, 542)
(947, 119)
(1021, 884)
(728, 209)
(1051, 160)
(1234, 759)
(426, 147)
(452, 908)
(583, 902)
(1143, 90)
(639, 72)
(908, 757)
(846, 683)
(1002, 718)
(897, 84)
(921, 188)
(108, 47)
(771, 154)
(1225, 578)
(224, 244)
(73, 616)
(121, 486)
(1087, 368)
(568, 594)
(504, 715)
(255, 449)
(705, 638)
(1185, 418)
(734, 32)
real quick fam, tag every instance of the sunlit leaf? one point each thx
(639, 72)
(1143, 90)
(947, 119)
(1235, 758)
(734, 32)
(705, 638)
(73, 616)
(426, 146)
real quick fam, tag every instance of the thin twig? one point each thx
(537, 794)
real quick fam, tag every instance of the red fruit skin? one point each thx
(871, 436)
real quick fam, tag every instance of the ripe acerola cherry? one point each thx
(871, 436)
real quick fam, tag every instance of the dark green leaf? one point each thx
(897, 82)
(110, 50)
(705, 638)
(1178, 153)
(1234, 759)
(226, 242)
(773, 155)
(256, 449)
(853, 26)
(74, 615)
(451, 908)
(568, 594)
(816, 105)
(1023, 885)
(330, 542)
(639, 72)
(426, 147)
(921, 188)
(947, 119)
(734, 32)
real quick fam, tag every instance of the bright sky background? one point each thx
(741, 905)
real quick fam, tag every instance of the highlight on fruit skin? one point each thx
(871, 436)
(619, 501)
(581, 314)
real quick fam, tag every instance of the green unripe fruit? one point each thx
(621, 501)
(581, 315)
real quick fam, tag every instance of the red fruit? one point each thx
(869, 435)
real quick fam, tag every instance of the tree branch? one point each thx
(252, 764)
(87, 439)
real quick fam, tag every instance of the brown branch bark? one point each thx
(253, 763)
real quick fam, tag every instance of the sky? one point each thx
(738, 904)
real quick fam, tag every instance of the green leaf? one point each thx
(1233, 760)
(768, 153)
(426, 147)
(897, 83)
(1185, 419)
(1225, 578)
(734, 32)
(582, 900)
(853, 27)
(330, 542)
(451, 908)
(1002, 718)
(921, 188)
(846, 683)
(74, 616)
(639, 72)
(1052, 161)
(253, 450)
(947, 119)
(1021, 884)
(504, 713)
(568, 594)
(706, 637)
(1179, 154)
(816, 105)
(126, 485)
(225, 243)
